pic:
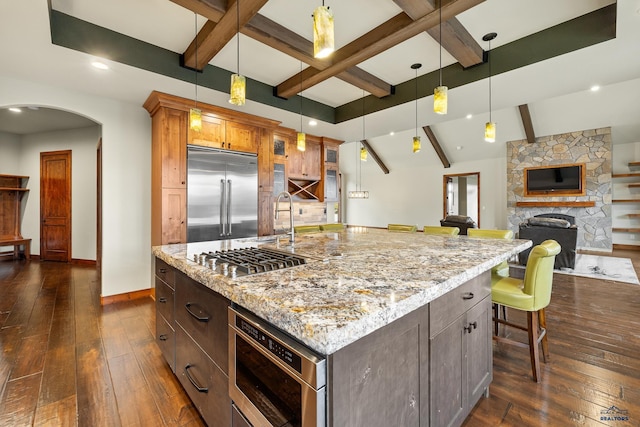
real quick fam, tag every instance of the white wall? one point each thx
(412, 192)
(126, 198)
(82, 143)
(9, 153)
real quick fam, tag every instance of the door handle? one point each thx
(199, 318)
(467, 295)
(228, 207)
(193, 381)
(222, 206)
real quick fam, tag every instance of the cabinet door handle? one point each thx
(162, 337)
(193, 381)
(471, 326)
(467, 295)
(163, 270)
(163, 300)
(196, 316)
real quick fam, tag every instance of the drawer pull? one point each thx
(467, 295)
(162, 300)
(163, 270)
(193, 381)
(471, 326)
(162, 337)
(195, 316)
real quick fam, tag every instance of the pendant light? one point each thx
(323, 42)
(359, 193)
(238, 82)
(363, 151)
(301, 143)
(416, 139)
(195, 115)
(440, 92)
(490, 127)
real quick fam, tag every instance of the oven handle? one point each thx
(193, 381)
(198, 318)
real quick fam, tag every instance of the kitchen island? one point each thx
(396, 305)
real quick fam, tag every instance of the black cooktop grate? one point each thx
(256, 260)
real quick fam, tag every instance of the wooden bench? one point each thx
(16, 243)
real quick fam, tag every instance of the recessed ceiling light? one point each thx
(15, 110)
(595, 88)
(313, 123)
(100, 65)
(392, 133)
(469, 116)
(459, 147)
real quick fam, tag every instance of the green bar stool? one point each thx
(402, 228)
(501, 270)
(531, 294)
(332, 227)
(439, 230)
(306, 228)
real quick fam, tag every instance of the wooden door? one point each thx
(241, 137)
(55, 206)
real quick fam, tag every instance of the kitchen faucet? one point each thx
(286, 194)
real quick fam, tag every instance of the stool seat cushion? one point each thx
(510, 292)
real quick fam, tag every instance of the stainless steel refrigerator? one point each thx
(222, 195)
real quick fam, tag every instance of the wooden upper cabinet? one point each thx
(173, 148)
(242, 137)
(304, 164)
(211, 135)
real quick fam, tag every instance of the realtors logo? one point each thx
(614, 414)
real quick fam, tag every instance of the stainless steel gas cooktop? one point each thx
(247, 261)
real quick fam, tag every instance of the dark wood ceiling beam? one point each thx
(436, 146)
(214, 36)
(394, 31)
(527, 123)
(455, 38)
(272, 34)
(375, 156)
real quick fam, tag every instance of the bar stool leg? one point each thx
(545, 345)
(533, 326)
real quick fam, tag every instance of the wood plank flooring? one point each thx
(67, 361)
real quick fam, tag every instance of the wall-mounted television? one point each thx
(555, 180)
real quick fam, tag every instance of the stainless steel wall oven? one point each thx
(273, 379)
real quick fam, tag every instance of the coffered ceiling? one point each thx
(145, 42)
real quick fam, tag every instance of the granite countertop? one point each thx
(354, 282)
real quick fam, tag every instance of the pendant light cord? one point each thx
(300, 95)
(195, 15)
(416, 84)
(440, 26)
(238, 35)
(489, 59)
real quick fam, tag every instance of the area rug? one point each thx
(600, 267)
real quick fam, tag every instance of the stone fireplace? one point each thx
(591, 147)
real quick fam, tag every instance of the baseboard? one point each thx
(87, 262)
(144, 293)
(626, 247)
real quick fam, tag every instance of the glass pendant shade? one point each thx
(440, 100)
(323, 42)
(416, 144)
(195, 119)
(363, 154)
(358, 194)
(490, 132)
(238, 89)
(301, 144)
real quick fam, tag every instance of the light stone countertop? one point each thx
(354, 282)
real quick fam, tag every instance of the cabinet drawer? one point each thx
(164, 300)
(237, 419)
(166, 339)
(204, 382)
(165, 272)
(203, 314)
(451, 305)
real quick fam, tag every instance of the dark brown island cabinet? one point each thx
(429, 367)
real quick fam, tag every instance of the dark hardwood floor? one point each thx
(67, 361)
